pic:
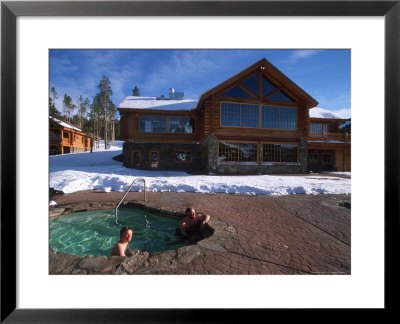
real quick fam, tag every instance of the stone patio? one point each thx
(253, 234)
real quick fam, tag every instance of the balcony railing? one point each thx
(66, 141)
(346, 137)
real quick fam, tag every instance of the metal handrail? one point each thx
(116, 208)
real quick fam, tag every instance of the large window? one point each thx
(278, 117)
(157, 124)
(279, 152)
(237, 152)
(245, 115)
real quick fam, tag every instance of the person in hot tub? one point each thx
(193, 224)
(121, 248)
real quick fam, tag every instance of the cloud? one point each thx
(297, 55)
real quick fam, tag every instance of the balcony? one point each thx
(330, 137)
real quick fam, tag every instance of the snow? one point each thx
(133, 102)
(98, 171)
(323, 113)
(64, 124)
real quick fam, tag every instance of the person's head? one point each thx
(190, 212)
(126, 234)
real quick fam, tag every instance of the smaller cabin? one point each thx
(328, 148)
(67, 138)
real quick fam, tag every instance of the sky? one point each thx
(98, 171)
(323, 74)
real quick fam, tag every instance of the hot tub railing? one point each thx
(116, 208)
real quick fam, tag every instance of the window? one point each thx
(279, 152)
(249, 116)
(267, 86)
(287, 118)
(246, 115)
(158, 124)
(243, 115)
(153, 124)
(55, 136)
(252, 84)
(247, 152)
(180, 125)
(237, 152)
(230, 114)
(318, 128)
(269, 117)
(236, 92)
(280, 96)
(65, 135)
(278, 118)
(183, 156)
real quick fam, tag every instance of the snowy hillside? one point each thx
(98, 171)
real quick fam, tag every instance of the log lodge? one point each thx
(256, 122)
(67, 138)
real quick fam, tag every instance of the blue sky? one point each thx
(324, 74)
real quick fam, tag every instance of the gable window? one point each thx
(267, 86)
(237, 152)
(252, 84)
(159, 124)
(318, 128)
(280, 96)
(258, 86)
(236, 92)
(279, 152)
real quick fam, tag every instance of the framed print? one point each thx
(173, 20)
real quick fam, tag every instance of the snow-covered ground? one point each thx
(98, 171)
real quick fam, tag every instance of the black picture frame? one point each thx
(10, 10)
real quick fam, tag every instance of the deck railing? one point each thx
(346, 137)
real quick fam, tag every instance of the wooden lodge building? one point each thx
(67, 138)
(257, 121)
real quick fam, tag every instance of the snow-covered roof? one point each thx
(64, 124)
(135, 102)
(323, 113)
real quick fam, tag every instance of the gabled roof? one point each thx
(268, 69)
(322, 113)
(135, 102)
(65, 124)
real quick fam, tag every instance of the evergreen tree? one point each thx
(95, 119)
(347, 128)
(67, 106)
(104, 97)
(83, 106)
(53, 94)
(53, 111)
